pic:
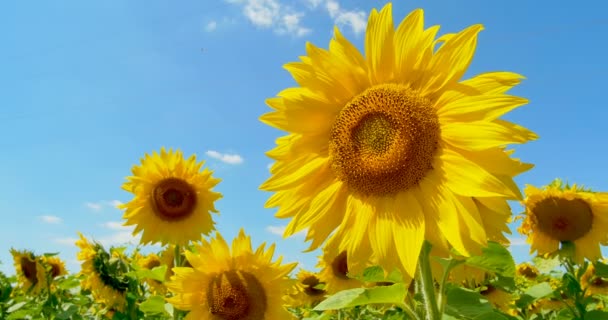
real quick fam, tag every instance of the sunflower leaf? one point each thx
(601, 269)
(376, 274)
(153, 305)
(394, 294)
(466, 304)
(596, 315)
(495, 258)
(546, 265)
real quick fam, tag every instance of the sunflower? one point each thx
(109, 289)
(221, 284)
(57, 266)
(391, 149)
(527, 271)
(30, 271)
(560, 213)
(173, 198)
(334, 270)
(306, 291)
(593, 283)
(150, 262)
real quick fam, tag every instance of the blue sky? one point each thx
(89, 87)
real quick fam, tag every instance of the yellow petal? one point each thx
(481, 135)
(407, 36)
(478, 107)
(294, 172)
(379, 47)
(408, 230)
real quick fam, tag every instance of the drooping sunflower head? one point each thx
(173, 198)
(225, 284)
(527, 271)
(307, 291)
(30, 271)
(592, 283)
(559, 213)
(104, 275)
(392, 148)
(56, 265)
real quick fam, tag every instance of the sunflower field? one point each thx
(393, 165)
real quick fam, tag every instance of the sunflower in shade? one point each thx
(307, 291)
(231, 284)
(30, 271)
(560, 213)
(103, 275)
(150, 262)
(56, 264)
(393, 148)
(173, 198)
(592, 283)
(334, 270)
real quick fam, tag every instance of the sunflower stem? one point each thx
(426, 283)
(177, 263)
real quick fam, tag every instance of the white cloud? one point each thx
(116, 225)
(211, 26)
(68, 241)
(271, 14)
(119, 238)
(225, 157)
(516, 242)
(355, 19)
(95, 206)
(279, 230)
(50, 219)
(114, 203)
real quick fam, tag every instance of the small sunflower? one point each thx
(499, 298)
(527, 271)
(592, 283)
(57, 266)
(560, 213)
(466, 275)
(392, 148)
(109, 289)
(221, 284)
(30, 271)
(173, 198)
(334, 270)
(306, 291)
(150, 262)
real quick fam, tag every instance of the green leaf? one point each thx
(596, 315)
(394, 294)
(601, 269)
(494, 258)
(68, 313)
(571, 285)
(16, 307)
(69, 283)
(376, 274)
(466, 304)
(157, 273)
(50, 254)
(546, 265)
(153, 305)
(540, 290)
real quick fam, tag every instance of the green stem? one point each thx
(409, 311)
(178, 263)
(426, 283)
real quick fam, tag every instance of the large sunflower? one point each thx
(559, 213)
(107, 288)
(30, 271)
(221, 284)
(173, 198)
(392, 148)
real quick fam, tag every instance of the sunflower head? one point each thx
(527, 271)
(499, 298)
(307, 291)
(391, 148)
(56, 265)
(592, 283)
(104, 274)
(334, 270)
(230, 284)
(30, 271)
(559, 213)
(172, 198)
(150, 262)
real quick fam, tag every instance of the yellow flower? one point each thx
(592, 283)
(172, 200)
(106, 288)
(334, 270)
(468, 276)
(499, 298)
(231, 284)
(150, 262)
(57, 266)
(558, 213)
(527, 271)
(393, 148)
(30, 271)
(306, 291)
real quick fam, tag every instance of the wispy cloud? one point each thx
(116, 225)
(271, 14)
(355, 19)
(516, 242)
(211, 26)
(50, 219)
(279, 230)
(225, 157)
(99, 205)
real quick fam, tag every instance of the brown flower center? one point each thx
(340, 266)
(234, 295)
(28, 267)
(310, 283)
(384, 140)
(173, 199)
(563, 219)
(55, 269)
